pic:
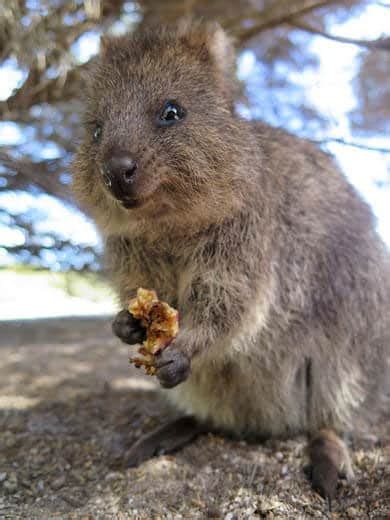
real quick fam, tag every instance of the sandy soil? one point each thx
(70, 406)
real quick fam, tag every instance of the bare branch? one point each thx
(351, 143)
(278, 15)
(37, 88)
(35, 91)
(22, 174)
(381, 43)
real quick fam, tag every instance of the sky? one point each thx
(328, 88)
(331, 90)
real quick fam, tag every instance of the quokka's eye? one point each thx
(171, 114)
(97, 132)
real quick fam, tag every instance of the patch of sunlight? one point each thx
(17, 402)
(133, 383)
(47, 381)
(28, 295)
(81, 367)
(159, 466)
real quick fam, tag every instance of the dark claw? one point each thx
(173, 367)
(128, 329)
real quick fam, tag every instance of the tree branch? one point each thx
(278, 15)
(37, 89)
(381, 43)
(22, 174)
(63, 88)
(350, 143)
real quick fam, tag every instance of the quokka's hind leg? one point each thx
(329, 460)
(166, 439)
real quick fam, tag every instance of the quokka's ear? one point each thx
(90, 69)
(208, 41)
(88, 76)
(104, 44)
(220, 46)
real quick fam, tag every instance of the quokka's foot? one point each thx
(329, 460)
(166, 439)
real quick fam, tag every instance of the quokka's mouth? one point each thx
(131, 203)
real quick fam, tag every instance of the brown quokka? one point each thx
(271, 257)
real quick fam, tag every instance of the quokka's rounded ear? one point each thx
(209, 41)
(88, 74)
(104, 44)
(220, 46)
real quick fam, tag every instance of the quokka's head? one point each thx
(161, 140)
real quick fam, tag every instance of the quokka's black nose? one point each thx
(119, 172)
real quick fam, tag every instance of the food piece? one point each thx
(161, 322)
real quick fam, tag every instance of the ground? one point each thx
(70, 406)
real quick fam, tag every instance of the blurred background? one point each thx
(320, 69)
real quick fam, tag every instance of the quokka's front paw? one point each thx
(128, 329)
(173, 367)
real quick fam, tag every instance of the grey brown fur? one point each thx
(270, 255)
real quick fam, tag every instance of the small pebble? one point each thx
(58, 482)
(212, 512)
(352, 512)
(3, 476)
(10, 485)
(10, 442)
(113, 475)
(279, 456)
(284, 471)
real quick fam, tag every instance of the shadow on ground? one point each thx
(70, 406)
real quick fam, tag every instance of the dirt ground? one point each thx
(70, 406)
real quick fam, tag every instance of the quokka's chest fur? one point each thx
(241, 397)
(255, 380)
(255, 394)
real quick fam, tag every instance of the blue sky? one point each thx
(331, 90)
(328, 88)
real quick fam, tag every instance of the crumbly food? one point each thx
(161, 322)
